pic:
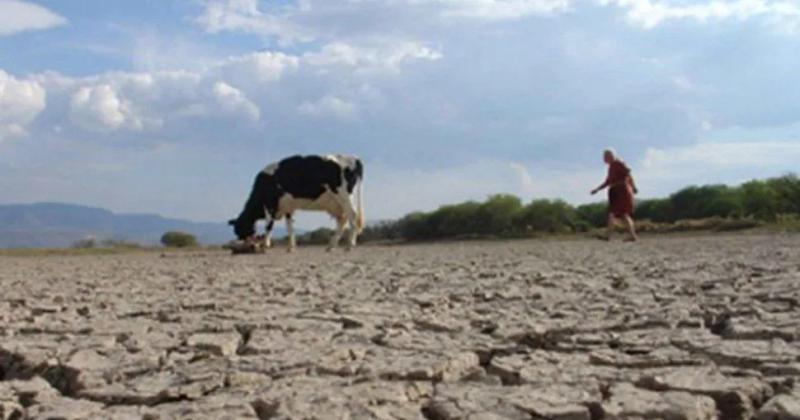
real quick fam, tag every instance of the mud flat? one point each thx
(670, 328)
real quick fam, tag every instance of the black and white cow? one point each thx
(320, 183)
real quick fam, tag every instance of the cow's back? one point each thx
(307, 177)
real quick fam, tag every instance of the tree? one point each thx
(176, 239)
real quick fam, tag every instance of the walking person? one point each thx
(621, 189)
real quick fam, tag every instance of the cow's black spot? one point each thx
(351, 176)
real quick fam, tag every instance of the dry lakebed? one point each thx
(677, 327)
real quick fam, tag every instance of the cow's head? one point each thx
(242, 228)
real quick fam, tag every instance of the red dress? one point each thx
(620, 191)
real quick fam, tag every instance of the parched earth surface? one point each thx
(670, 328)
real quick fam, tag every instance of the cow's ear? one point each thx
(232, 222)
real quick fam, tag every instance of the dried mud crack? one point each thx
(670, 328)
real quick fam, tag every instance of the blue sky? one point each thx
(173, 106)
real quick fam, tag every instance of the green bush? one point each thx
(381, 231)
(319, 236)
(86, 243)
(496, 216)
(176, 239)
(706, 201)
(548, 216)
(657, 210)
(595, 214)
(414, 227)
(786, 191)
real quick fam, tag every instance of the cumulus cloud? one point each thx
(245, 15)
(314, 20)
(234, 101)
(499, 9)
(329, 107)
(147, 101)
(20, 102)
(388, 55)
(101, 108)
(19, 16)
(264, 66)
(651, 13)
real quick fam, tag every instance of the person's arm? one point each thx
(633, 185)
(603, 185)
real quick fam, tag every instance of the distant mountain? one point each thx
(53, 225)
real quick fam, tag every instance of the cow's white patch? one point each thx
(327, 202)
(345, 161)
(271, 168)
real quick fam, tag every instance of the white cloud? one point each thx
(245, 16)
(499, 9)
(19, 16)
(265, 66)
(20, 102)
(147, 101)
(234, 101)
(100, 108)
(651, 13)
(387, 55)
(314, 20)
(329, 106)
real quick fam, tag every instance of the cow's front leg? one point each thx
(340, 224)
(268, 234)
(290, 232)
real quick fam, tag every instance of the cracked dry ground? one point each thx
(671, 328)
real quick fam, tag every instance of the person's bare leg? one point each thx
(609, 226)
(631, 227)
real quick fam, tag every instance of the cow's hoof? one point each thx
(291, 249)
(330, 248)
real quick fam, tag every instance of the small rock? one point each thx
(218, 344)
(782, 407)
(736, 397)
(627, 402)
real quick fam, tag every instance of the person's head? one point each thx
(609, 155)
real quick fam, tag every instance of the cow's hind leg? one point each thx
(290, 232)
(351, 241)
(340, 224)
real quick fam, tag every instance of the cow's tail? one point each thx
(360, 198)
